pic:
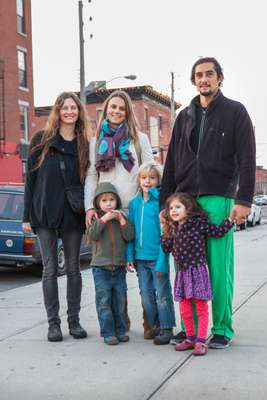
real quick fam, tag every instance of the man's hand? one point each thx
(239, 213)
(89, 216)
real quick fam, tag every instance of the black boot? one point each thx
(54, 333)
(76, 330)
(164, 337)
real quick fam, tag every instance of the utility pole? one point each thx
(172, 101)
(82, 74)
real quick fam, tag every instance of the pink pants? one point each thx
(202, 311)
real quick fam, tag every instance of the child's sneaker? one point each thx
(111, 340)
(185, 345)
(123, 338)
(200, 349)
(178, 338)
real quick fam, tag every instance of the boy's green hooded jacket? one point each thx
(109, 239)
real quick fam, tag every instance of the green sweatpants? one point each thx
(220, 257)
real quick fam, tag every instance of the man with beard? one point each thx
(212, 156)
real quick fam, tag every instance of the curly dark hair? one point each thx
(191, 205)
(203, 60)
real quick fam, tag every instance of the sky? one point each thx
(150, 39)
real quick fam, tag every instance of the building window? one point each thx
(146, 119)
(24, 120)
(154, 136)
(22, 68)
(99, 112)
(160, 125)
(20, 16)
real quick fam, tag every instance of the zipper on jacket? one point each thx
(201, 132)
(201, 129)
(141, 224)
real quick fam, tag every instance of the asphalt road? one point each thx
(11, 278)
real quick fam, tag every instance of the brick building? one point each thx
(261, 181)
(16, 84)
(152, 110)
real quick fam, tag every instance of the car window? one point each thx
(11, 206)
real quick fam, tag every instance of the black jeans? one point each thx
(71, 244)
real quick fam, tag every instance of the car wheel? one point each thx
(61, 262)
(252, 222)
(259, 221)
(243, 226)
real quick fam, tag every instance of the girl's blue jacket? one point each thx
(144, 215)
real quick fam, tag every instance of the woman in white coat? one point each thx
(116, 152)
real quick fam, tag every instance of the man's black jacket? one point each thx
(224, 163)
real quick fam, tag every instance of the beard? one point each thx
(206, 92)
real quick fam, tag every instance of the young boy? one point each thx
(109, 234)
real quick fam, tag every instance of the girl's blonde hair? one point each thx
(82, 131)
(149, 167)
(130, 115)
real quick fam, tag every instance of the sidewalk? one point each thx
(32, 368)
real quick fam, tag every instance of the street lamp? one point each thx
(95, 85)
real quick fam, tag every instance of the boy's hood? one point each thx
(106, 187)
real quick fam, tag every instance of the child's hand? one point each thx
(108, 216)
(119, 217)
(130, 266)
(160, 274)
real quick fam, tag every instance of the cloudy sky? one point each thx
(150, 39)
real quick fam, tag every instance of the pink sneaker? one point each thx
(200, 349)
(185, 345)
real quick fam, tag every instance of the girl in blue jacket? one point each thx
(145, 255)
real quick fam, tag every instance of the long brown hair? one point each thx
(192, 207)
(82, 131)
(130, 115)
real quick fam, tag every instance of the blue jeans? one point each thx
(110, 297)
(156, 295)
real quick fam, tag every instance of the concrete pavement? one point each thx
(32, 368)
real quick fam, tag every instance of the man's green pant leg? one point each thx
(220, 257)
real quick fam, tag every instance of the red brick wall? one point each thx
(10, 39)
(154, 109)
(261, 181)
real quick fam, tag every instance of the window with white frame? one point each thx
(22, 68)
(24, 119)
(20, 16)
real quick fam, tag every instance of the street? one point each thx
(10, 278)
(33, 368)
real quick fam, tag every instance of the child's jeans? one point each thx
(156, 295)
(110, 295)
(202, 311)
